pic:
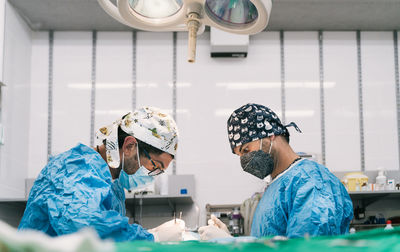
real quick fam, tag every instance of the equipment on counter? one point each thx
(181, 185)
(229, 215)
(389, 225)
(381, 180)
(236, 223)
(353, 181)
(247, 210)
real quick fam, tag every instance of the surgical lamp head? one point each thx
(235, 16)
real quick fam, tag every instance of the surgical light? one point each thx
(235, 16)
(155, 8)
(232, 12)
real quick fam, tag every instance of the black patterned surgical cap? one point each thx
(252, 122)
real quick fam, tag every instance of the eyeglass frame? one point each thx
(155, 168)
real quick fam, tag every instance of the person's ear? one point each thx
(129, 146)
(272, 138)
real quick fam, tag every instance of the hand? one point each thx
(217, 222)
(169, 231)
(215, 229)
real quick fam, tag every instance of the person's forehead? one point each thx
(163, 158)
(245, 145)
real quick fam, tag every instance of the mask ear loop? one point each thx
(138, 157)
(123, 160)
(270, 147)
(261, 144)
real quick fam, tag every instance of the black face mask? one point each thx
(258, 163)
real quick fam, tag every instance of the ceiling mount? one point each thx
(235, 16)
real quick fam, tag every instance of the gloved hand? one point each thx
(215, 229)
(169, 231)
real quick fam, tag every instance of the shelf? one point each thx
(17, 200)
(372, 225)
(373, 193)
(369, 197)
(160, 199)
(360, 227)
(147, 199)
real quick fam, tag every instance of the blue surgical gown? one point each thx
(306, 199)
(75, 190)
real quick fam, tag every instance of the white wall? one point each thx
(379, 96)
(208, 91)
(16, 103)
(113, 49)
(2, 28)
(39, 103)
(341, 101)
(302, 90)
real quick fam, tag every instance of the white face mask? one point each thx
(137, 180)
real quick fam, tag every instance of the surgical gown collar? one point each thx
(284, 172)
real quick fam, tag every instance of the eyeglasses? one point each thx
(156, 171)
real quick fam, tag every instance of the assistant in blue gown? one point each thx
(305, 199)
(75, 190)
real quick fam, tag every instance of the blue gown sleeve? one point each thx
(314, 212)
(83, 202)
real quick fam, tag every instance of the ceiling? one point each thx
(286, 15)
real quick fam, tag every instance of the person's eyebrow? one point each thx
(241, 146)
(161, 163)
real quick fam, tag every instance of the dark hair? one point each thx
(286, 137)
(142, 145)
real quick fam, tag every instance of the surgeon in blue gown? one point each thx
(303, 198)
(84, 186)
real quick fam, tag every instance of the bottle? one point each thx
(381, 180)
(390, 185)
(389, 225)
(235, 217)
(162, 184)
(358, 188)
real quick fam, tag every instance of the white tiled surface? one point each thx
(113, 77)
(210, 90)
(2, 13)
(154, 70)
(380, 116)
(14, 153)
(39, 103)
(71, 97)
(342, 131)
(303, 91)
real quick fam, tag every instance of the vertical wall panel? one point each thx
(93, 88)
(341, 101)
(397, 83)
(16, 102)
(71, 89)
(208, 92)
(2, 35)
(380, 115)
(302, 90)
(114, 77)
(154, 70)
(38, 105)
